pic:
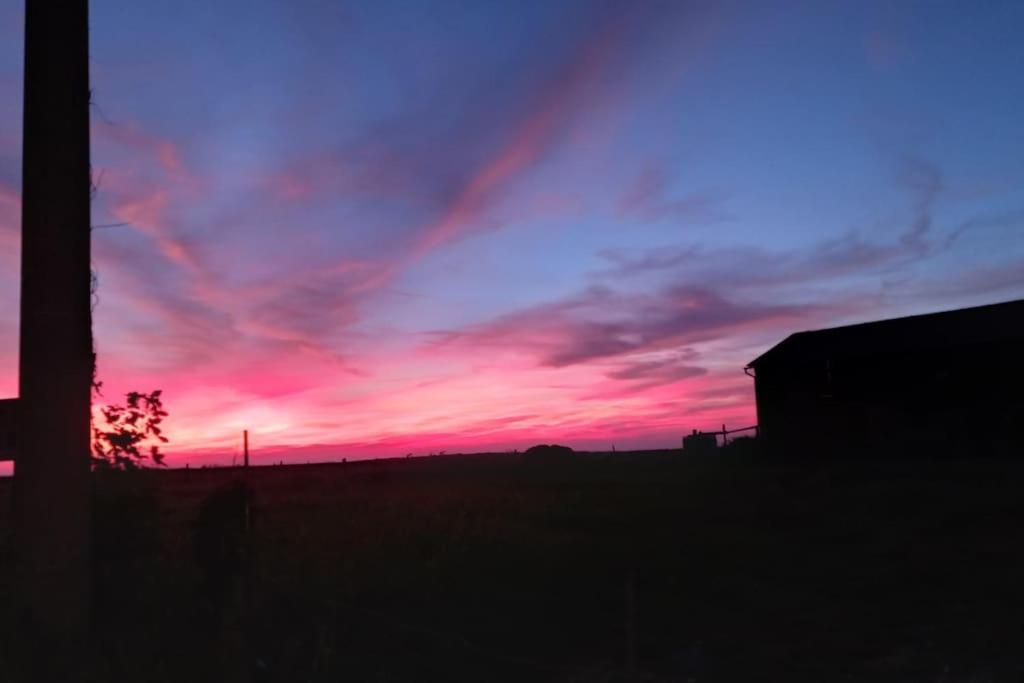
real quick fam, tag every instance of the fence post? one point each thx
(630, 629)
(724, 435)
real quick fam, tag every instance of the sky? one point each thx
(363, 229)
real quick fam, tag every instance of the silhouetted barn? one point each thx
(8, 427)
(947, 383)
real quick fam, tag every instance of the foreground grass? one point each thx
(489, 569)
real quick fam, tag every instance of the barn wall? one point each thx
(912, 404)
(788, 412)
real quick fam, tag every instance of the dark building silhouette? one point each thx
(946, 383)
(700, 443)
(8, 427)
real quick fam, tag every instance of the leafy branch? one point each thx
(132, 433)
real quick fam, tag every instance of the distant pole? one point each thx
(245, 445)
(725, 435)
(630, 630)
(51, 498)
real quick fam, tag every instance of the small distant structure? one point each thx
(706, 443)
(947, 383)
(8, 427)
(547, 452)
(700, 443)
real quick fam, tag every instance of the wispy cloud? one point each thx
(851, 253)
(600, 323)
(602, 209)
(647, 198)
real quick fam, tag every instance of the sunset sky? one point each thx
(373, 228)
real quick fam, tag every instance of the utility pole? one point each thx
(51, 501)
(245, 445)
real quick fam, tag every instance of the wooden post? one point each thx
(630, 629)
(51, 497)
(245, 445)
(724, 435)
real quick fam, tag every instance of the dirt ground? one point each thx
(638, 566)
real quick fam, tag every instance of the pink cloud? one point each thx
(147, 212)
(528, 143)
(133, 137)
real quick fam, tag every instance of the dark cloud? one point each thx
(180, 328)
(705, 295)
(305, 313)
(648, 199)
(758, 270)
(1013, 219)
(737, 267)
(600, 324)
(1003, 280)
(455, 151)
(732, 268)
(651, 373)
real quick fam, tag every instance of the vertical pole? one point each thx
(725, 435)
(630, 629)
(245, 445)
(51, 501)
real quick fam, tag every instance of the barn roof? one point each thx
(931, 331)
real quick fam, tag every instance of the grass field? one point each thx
(648, 567)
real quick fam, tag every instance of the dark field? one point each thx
(644, 567)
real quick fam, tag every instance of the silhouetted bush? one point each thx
(220, 538)
(126, 539)
(129, 429)
(125, 513)
(547, 452)
(700, 444)
(741, 448)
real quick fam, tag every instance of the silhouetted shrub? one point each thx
(700, 444)
(221, 538)
(741, 448)
(547, 452)
(126, 539)
(129, 429)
